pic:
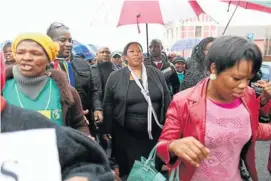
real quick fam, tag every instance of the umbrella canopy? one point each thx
(156, 11)
(262, 6)
(185, 44)
(92, 48)
(252, 5)
(135, 12)
(82, 50)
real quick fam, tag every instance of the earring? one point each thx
(212, 76)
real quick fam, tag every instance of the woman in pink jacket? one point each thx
(213, 125)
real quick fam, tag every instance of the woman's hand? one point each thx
(98, 116)
(189, 149)
(116, 176)
(107, 137)
(266, 94)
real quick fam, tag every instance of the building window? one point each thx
(206, 31)
(198, 31)
(189, 31)
(183, 34)
(190, 34)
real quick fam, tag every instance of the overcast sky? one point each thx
(94, 21)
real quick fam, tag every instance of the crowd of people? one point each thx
(199, 112)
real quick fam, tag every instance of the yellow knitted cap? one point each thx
(51, 48)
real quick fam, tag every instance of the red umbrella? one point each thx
(135, 12)
(149, 11)
(262, 6)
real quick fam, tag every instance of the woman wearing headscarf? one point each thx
(32, 85)
(197, 65)
(135, 101)
(73, 147)
(213, 125)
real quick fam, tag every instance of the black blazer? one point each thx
(97, 79)
(114, 104)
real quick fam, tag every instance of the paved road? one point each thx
(262, 154)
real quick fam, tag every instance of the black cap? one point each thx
(178, 59)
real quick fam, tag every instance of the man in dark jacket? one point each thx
(102, 69)
(100, 72)
(159, 61)
(77, 69)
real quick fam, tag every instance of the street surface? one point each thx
(262, 154)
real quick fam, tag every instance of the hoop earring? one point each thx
(212, 76)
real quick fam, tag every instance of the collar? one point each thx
(2, 103)
(68, 59)
(156, 63)
(201, 88)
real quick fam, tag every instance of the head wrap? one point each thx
(2, 71)
(51, 48)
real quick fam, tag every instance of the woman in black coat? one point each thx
(135, 102)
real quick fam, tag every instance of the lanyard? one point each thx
(144, 88)
(145, 92)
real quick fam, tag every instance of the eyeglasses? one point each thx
(56, 25)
